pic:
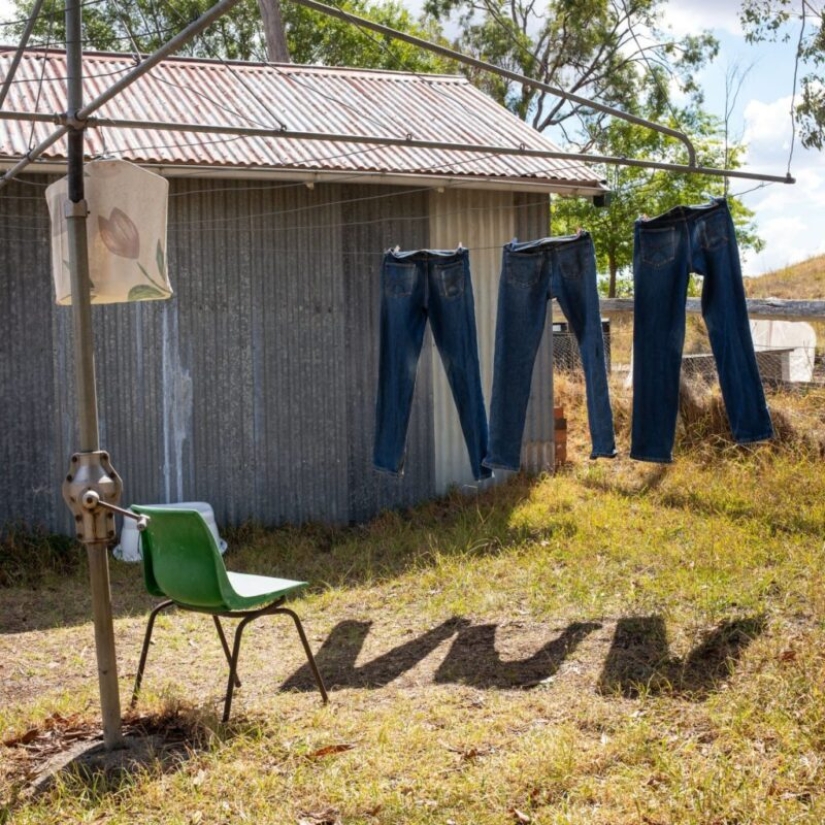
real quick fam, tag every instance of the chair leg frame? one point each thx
(145, 650)
(232, 657)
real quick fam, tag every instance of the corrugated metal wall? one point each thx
(28, 365)
(253, 388)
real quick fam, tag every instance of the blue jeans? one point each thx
(666, 250)
(416, 286)
(531, 274)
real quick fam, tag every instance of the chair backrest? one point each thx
(181, 559)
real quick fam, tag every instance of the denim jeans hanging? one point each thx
(417, 286)
(531, 273)
(666, 250)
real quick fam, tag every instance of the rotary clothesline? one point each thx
(83, 118)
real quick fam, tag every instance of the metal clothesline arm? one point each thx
(489, 67)
(18, 55)
(76, 119)
(410, 143)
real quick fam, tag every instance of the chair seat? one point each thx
(262, 588)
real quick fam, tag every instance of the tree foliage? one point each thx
(804, 20)
(144, 25)
(637, 191)
(607, 50)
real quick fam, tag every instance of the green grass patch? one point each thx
(619, 644)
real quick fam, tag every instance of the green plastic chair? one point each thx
(183, 565)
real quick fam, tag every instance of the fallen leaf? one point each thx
(330, 750)
(327, 817)
(24, 739)
(519, 816)
(788, 655)
(197, 779)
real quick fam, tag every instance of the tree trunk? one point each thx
(276, 48)
(611, 286)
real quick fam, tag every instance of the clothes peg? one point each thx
(396, 249)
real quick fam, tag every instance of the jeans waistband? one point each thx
(415, 255)
(680, 214)
(548, 243)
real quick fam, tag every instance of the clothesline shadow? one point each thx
(640, 660)
(471, 660)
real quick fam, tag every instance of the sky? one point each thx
(789, 218)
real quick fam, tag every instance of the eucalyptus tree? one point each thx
(612, 51)
(637, 191)
(141, 26)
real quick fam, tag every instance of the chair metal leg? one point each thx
(226, 650)
(233, 665)
(145, 651)
(310, 658)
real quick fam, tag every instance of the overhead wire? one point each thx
(793, 90)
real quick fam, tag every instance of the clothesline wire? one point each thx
(229, 222)
(793, 87)
(249, 221)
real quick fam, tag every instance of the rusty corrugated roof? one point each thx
(440, 108)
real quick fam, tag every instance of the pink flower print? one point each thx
(119, 234)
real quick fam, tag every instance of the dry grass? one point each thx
(621, 644)
(800, 282)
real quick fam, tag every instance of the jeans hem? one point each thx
(752, 439)
(501, 465)
(598, 454)
(387, 472)
(652, 459)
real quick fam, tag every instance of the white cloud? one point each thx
(691, 16)
(790, 218)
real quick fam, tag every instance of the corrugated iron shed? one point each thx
(442, 108)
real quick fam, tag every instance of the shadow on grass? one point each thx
(67, 753)
(472, 658)
(640, 661)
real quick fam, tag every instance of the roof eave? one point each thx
(309, 177)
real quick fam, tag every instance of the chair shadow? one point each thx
(471, 660)
(640, 660)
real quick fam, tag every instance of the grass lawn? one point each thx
(618, 643)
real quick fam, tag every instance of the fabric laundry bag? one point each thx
(126, 230)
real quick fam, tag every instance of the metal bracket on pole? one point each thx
(90, 485)
(72, 209)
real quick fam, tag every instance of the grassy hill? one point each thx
(800, 282)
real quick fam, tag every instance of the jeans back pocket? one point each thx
(658, 246)
(523, 271)
(575, 261)
(713, 230)
(399, 279)
(450, 279)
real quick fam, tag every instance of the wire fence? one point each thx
(786, 368)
